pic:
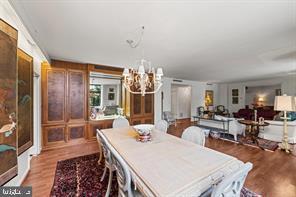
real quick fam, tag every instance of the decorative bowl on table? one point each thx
(144, 131)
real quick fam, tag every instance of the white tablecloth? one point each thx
(170, 166)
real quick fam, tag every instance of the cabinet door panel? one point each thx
(93, 129)
(55, 95)
(136, 121)
(76, 97)
(148, 120)
(76, 132)
(54, 135)
(137, 104)
(148, 102)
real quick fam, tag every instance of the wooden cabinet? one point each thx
(64, 104)
(98, 124)
(141, 108)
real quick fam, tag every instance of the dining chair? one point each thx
(232, 184)
(123, 175)
(120, 122)
(100, 149)
(108, 161)
(161, 125)
(195, 135)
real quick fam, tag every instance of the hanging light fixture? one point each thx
(143, 80)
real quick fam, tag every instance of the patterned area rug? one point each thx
(80, 176)
(263, 143)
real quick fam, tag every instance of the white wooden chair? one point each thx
(232, 184)
(100, 149)
(108, 161)
(169, 117)
(122, 172)
(120, 122)
(195, 135)
(161, 125)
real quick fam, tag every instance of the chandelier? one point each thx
(144, 80)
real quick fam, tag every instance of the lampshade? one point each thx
(125, 72)
(260, 99)
(141, 70)
(284, 103)
(159, 72)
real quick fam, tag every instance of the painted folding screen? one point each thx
(8, 102)
(25, 101)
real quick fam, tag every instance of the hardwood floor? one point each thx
(273, 173)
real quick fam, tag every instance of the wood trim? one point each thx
(24, 55)
(105, 69)
(8, 29)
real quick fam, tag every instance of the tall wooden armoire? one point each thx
(140, 109)
(64, 104)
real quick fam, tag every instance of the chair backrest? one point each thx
(106, 151)
(161, 125)
(220, 108)
(122, 173)
(168, 116)
(200, 111)
(232, 184)
(195, 135)
(120, 122)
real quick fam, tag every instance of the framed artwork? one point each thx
(111, 96)
(209, 98)
(8, 102)
(25, 101)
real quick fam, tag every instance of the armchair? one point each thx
(200, 111)
(169, 117)
(221, 110)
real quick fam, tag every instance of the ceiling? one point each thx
(213, 41)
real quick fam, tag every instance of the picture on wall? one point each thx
(8, 102)
(209, 98)
(25, 101)
(111, 96)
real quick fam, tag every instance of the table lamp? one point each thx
(284, 103)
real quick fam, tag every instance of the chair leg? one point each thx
(109, 182)
(104, 173)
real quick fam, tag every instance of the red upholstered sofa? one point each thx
(266, 112)
(247, 114)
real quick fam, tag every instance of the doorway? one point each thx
(181, 101)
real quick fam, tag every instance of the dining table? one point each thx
(168, 165)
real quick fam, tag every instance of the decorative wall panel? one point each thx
(8, 102)
(56, 95)
(25, 101)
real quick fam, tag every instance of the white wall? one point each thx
(26, 43)
(268, 93)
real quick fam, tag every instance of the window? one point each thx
(95, 95)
